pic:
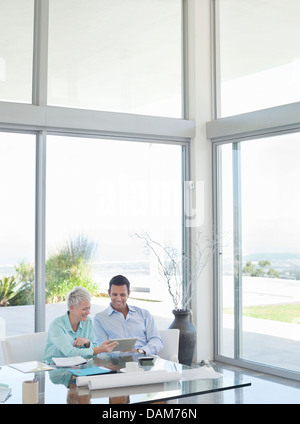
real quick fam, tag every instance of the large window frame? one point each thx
(41, 120)
(277, 120)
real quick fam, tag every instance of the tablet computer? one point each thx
(124, 344)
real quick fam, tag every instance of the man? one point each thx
(120, 320)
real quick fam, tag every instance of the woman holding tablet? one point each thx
(72, 334)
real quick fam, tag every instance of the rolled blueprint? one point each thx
(127, 379)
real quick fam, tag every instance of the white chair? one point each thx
(24, 347)
(2, 334)
(170, 338)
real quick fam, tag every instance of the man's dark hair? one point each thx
(119, 280)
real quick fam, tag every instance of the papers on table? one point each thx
(31, 366)
(35, 366)
(4, 392)
(71, 361)
(95, 382)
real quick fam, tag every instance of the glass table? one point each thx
(58, 386)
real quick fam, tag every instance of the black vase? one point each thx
(187, 335)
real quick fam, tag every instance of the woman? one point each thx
(72, 334)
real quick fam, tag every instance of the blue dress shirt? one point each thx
(111, 324)
(61, 338)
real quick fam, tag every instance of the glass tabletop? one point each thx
(58, 386)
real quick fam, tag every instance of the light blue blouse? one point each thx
(61, 338)
(138, 323)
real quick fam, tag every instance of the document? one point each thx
(31, 366)
(69, 361)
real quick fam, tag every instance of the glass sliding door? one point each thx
(100, 194)
(260, 266)
(17, 226)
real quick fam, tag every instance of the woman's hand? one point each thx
(106, 346)
(81, 341)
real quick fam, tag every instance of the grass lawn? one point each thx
(285, 313)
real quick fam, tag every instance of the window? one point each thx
(17, 187)
(100, 193)
(16, 50)
(259, 54)
(116, 55)
(260, 278)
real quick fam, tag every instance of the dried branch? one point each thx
(176, 266)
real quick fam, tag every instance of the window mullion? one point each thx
(237, 246)
(40, 231)
(40, 52)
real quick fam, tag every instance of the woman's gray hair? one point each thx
(77, 295)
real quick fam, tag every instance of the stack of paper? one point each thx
(31, 366)
(71, 361)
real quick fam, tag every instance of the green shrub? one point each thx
(57, 292)
(67, 266)
(25, 277)
(9, 289)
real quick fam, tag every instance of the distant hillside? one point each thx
(272, 257)
(286, 263)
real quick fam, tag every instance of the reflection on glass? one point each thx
(116, 55)
(259, 54)
(99, 193)
(268, 289)
(17, 187)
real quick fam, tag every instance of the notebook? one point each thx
(91, 371)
